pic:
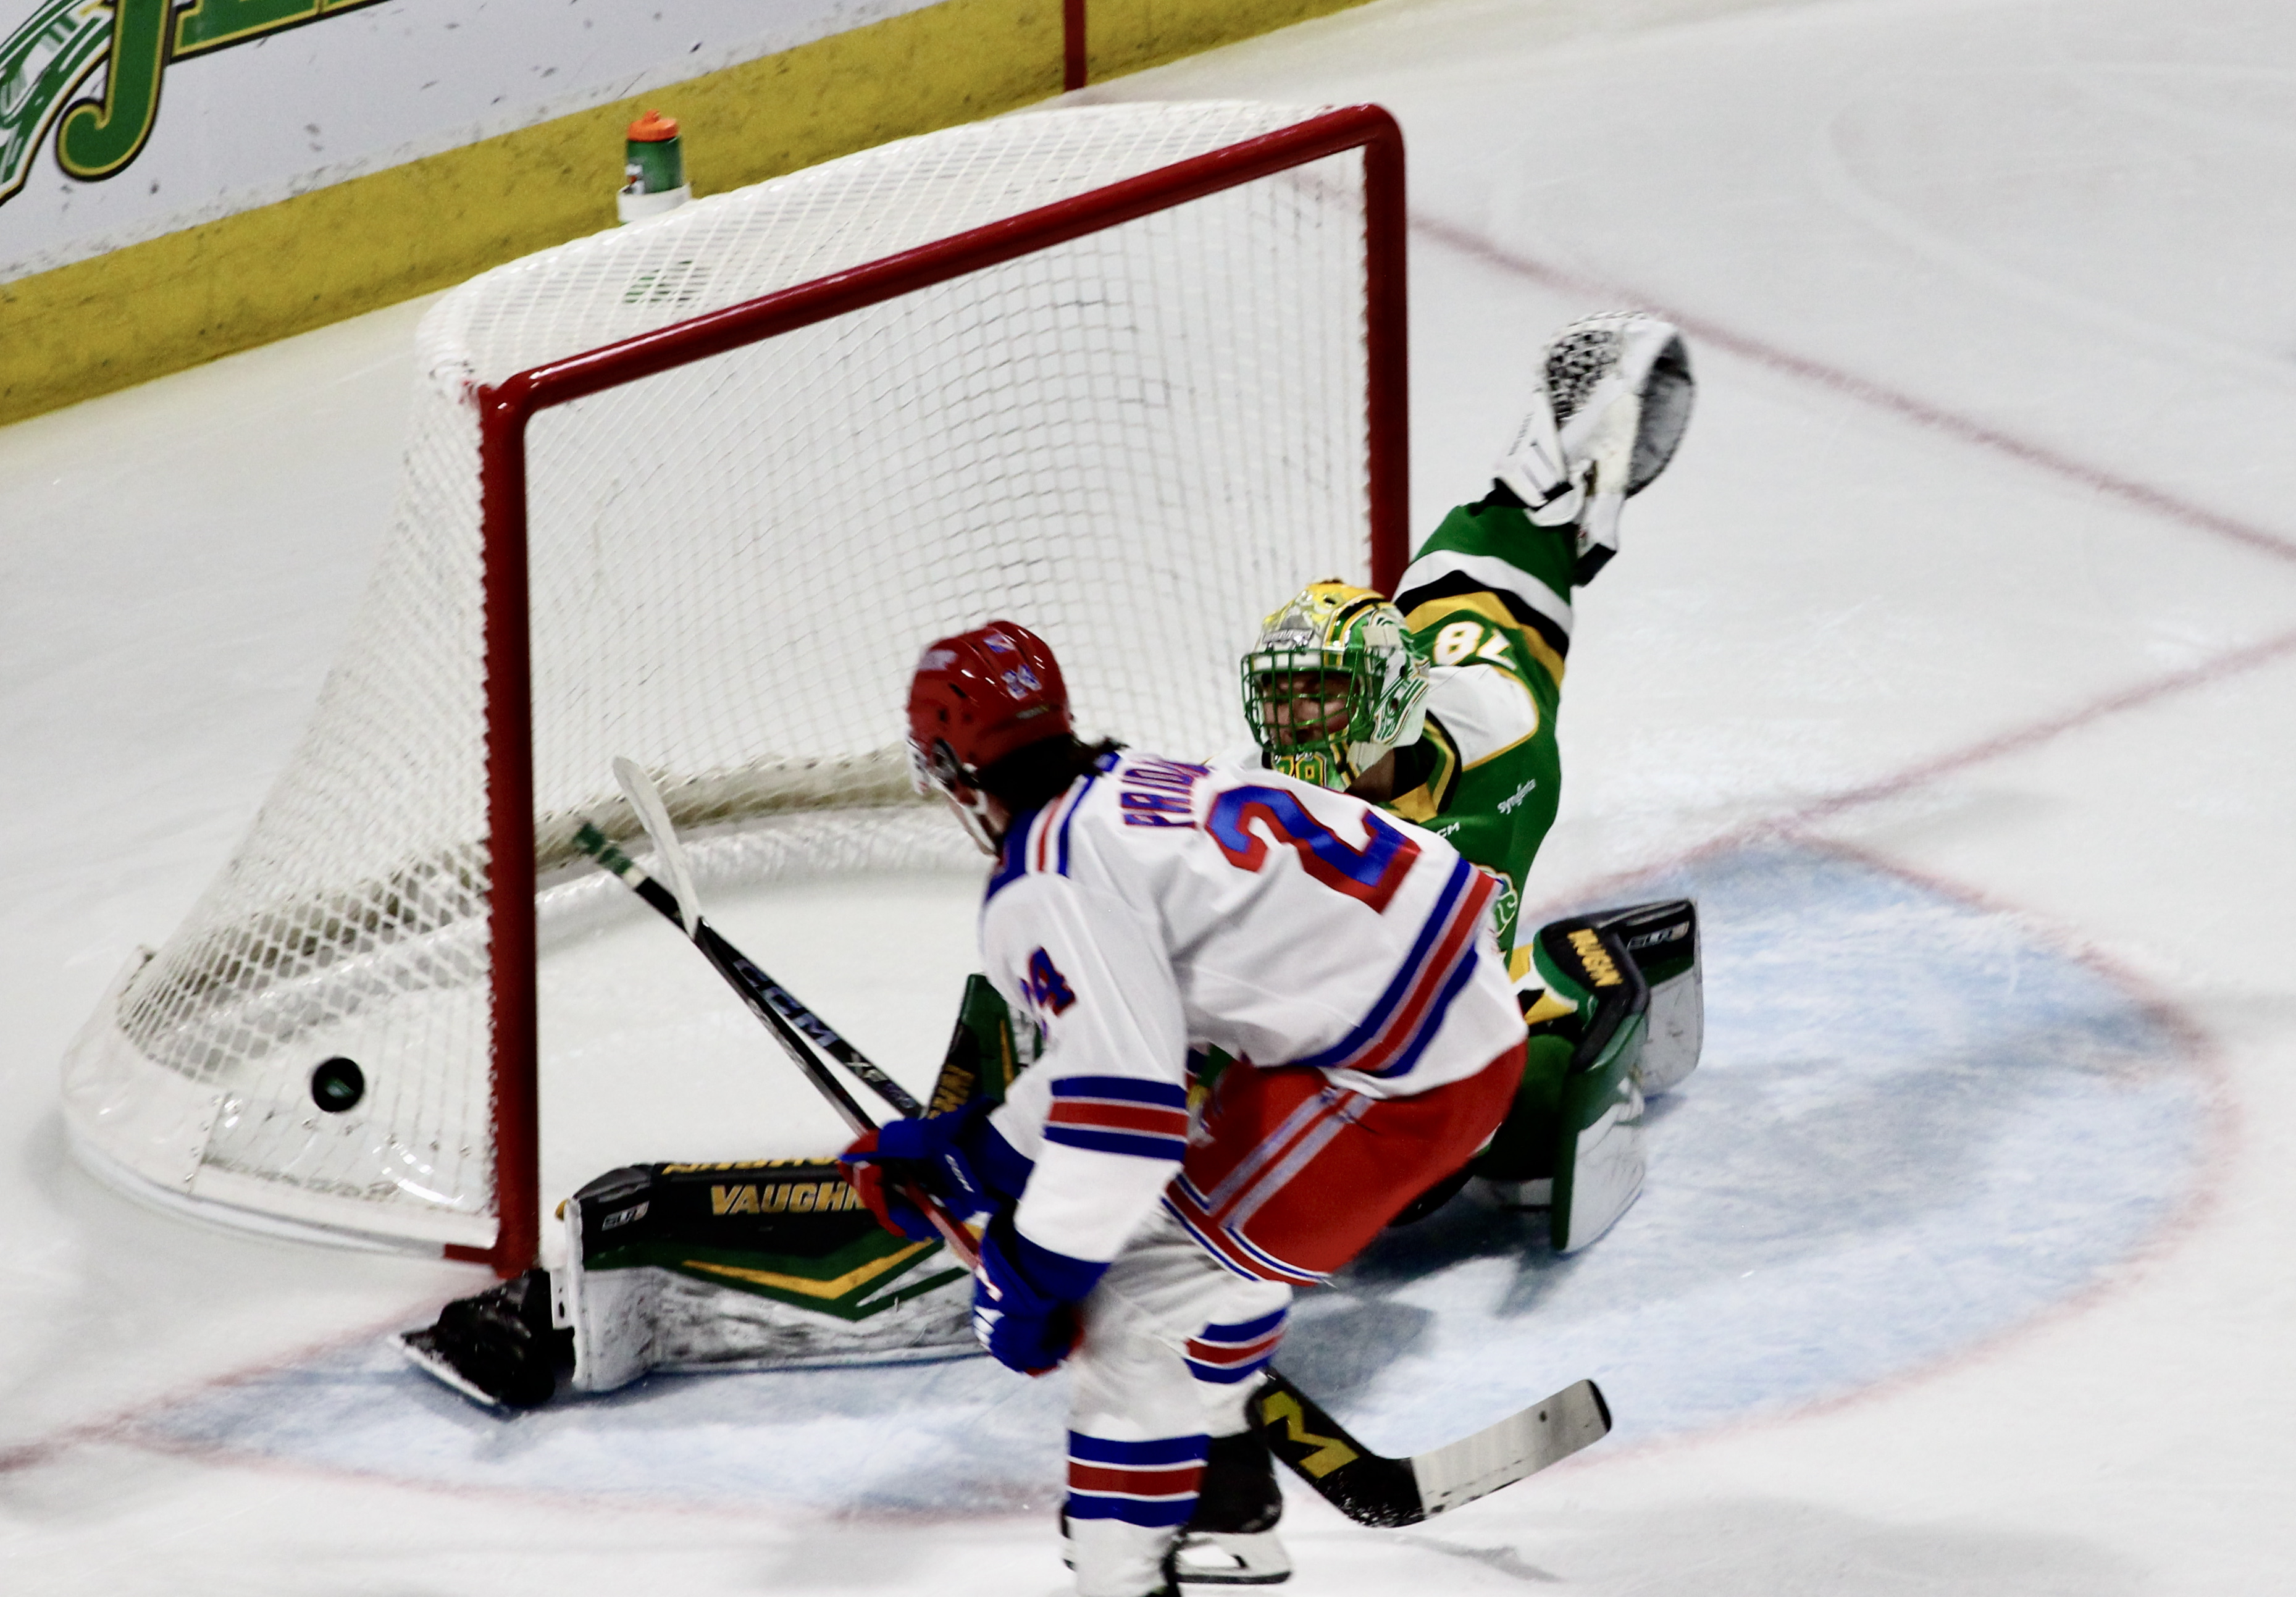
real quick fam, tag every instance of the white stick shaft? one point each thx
(669, 853)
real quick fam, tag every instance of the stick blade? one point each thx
(1361, 1484)
(1522, 1444)
(669, 855)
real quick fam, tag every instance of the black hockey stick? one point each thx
(750, 983)
(1372, 1489)
(1368, 1487)
(685, 909)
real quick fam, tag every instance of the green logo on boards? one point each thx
(49, 59)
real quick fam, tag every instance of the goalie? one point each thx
(1440, 709)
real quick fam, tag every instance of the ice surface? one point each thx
(1838, 1195)
(1953, 663)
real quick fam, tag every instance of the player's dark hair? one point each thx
(1032, 777)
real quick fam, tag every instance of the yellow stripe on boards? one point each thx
(1126, 35)
(245, 280)
(140, 312)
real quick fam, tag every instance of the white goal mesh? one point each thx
(1134, 442)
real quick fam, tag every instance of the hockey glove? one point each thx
(1025, 1298)
(955, 1157)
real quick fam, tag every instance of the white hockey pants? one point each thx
(1173, 1343)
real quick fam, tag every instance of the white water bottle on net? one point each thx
(696, 491)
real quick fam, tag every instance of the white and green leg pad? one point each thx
(1599, 1159)
(1662, 940)
(770, 1264)
(1573, 1142)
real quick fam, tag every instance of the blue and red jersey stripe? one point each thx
(1389, 1039)
(1151, 1483)
(1119, 1114)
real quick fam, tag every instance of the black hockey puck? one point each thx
(337, 1084)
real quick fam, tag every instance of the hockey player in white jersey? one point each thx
(1144, 911)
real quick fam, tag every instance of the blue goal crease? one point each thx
(1915, 1125)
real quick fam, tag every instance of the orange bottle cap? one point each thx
(653, 128)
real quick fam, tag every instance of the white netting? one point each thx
(1135, 444)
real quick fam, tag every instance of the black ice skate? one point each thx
(1230, 1540)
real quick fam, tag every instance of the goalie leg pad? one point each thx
(1599, 1167)
(765, 1265)
(1662, 940)
(1587, 1007)
(990, 1045)
(1599, 1160)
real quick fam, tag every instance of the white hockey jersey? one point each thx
(1157, 908)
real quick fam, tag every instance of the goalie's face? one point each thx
(1304, 708)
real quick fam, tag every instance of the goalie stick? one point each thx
(1368, 1487)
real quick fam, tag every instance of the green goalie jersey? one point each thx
(1488, 599)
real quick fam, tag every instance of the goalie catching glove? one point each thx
(1609, 406)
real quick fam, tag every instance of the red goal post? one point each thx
(1280, 487)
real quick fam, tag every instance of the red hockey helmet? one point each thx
(978, 697)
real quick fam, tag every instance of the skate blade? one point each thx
(416, 1348)
(1206, 1558)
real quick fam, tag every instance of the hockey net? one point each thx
(696, 491)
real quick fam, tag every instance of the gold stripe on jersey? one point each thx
(1546, 1007)
(1492, 608)
(1427, 800)
(1506, 748)
(1488, 708)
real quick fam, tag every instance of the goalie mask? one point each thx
(975, 699)
(1332, 685)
